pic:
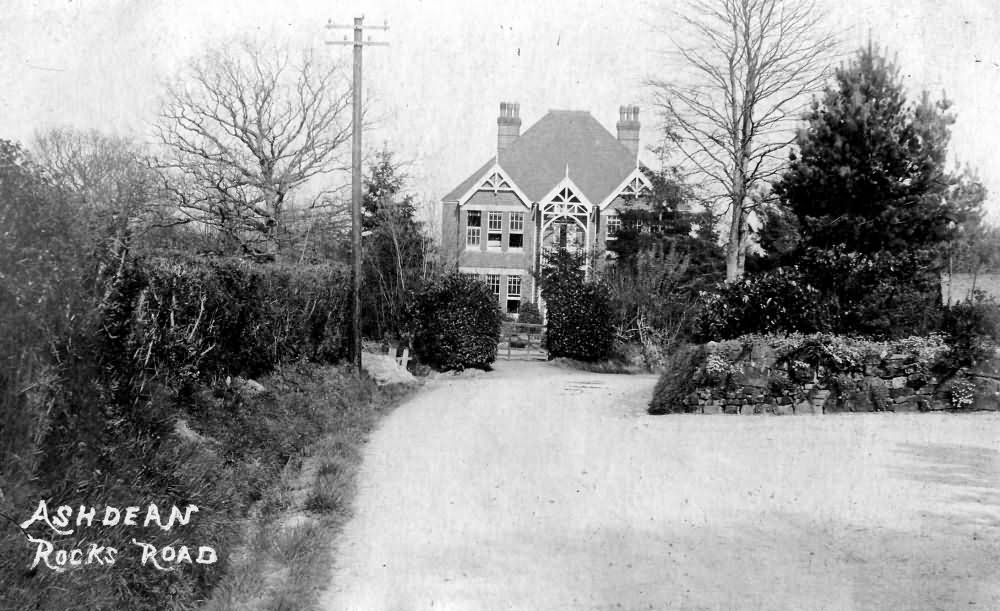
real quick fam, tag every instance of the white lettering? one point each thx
(206, 555)
(182, 519)
(89, 515)
(130, 515)
(108, 513)
(42, 513)
(153, 514)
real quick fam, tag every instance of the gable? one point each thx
(469, 182)
(493, 180)
(631, 188)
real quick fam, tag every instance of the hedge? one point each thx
(580, 321)
(186, 319)
(457, 323)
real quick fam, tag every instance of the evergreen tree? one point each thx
(870, 173)
(661, 223)
(397, 255)
(383, 195)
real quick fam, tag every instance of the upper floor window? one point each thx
(515, 235)
(473, 229)
(494, 236)
(614, 226)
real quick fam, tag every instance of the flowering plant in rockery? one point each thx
(801, 370)
(718, 368)
(961, 394)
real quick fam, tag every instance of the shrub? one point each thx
(457, 323)
(881, 294)
(580, 322)
(579, 313)
(529, 314)
(781, 301)
(187, 319)
(968, 324)
(679, 379)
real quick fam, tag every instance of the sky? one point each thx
(435, 90)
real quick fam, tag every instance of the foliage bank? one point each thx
(579, 315)
(457, 323)
(123, 392)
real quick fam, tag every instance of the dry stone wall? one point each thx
(764, 377)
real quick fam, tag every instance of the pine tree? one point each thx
(870, 175)
(383, 192)
(397, 253)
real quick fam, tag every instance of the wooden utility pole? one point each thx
(358, 43)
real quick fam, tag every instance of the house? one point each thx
(560, 183)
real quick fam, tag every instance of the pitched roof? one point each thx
(538, 160)
(469, 182)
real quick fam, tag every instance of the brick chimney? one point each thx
(508, 125)
(628, 128)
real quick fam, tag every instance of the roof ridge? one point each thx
(538, 158)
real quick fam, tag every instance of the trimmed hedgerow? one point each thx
(457, 323)
(580, 322)
(184, 320)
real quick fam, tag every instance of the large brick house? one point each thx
(560, 183)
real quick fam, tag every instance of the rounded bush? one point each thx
(580, 321)
(456, 323)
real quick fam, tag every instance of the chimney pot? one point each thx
(508, 125)
(628, 128)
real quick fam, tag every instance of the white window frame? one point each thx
(473, 234)
(613, 222)
(513, 281)
(494, 227)
(493, 281)
(515, 226)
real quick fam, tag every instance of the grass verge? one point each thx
(271, 471)
(284, 562)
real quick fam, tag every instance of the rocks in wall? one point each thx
(755, 381)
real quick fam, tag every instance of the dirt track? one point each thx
(539, 488)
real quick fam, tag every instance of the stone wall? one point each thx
(738, 378)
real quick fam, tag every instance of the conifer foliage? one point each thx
(579, 316)
(871, 172)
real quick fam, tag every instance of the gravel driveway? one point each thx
(535, 487)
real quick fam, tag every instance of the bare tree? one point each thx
(242, 127)
(106, 179)
(746, 69)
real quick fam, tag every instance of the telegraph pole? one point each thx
(358, 43)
